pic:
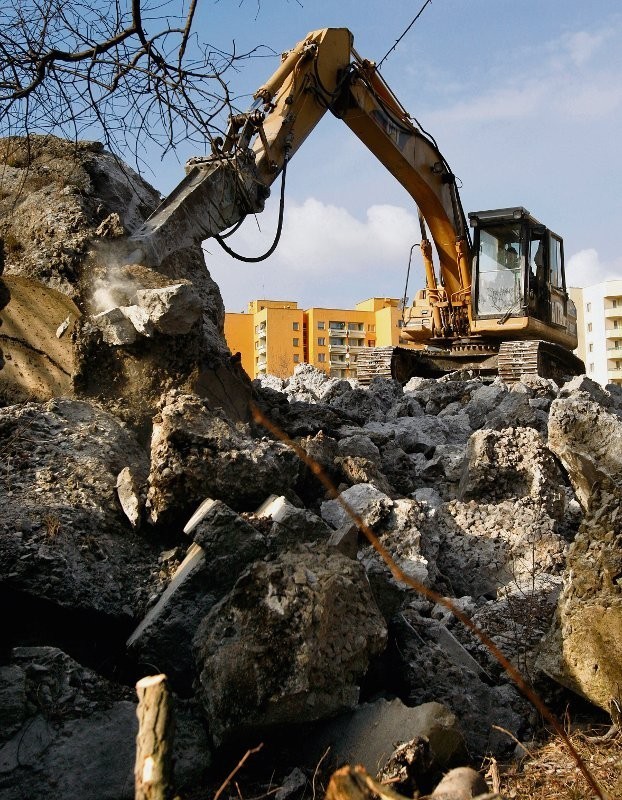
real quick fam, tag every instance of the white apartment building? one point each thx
(599, 325)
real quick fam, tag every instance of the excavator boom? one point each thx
(323, 72)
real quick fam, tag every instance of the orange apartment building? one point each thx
(275, 335)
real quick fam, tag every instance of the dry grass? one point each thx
(548, 772)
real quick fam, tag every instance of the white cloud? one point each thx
(585, 269)
(322, 238)
(507, 103)
(326, 256)
(581, 45)
(577, 75)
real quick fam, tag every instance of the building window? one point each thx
(370, 343)
(591, 348)
(321, 357)
(321, 340)
(618, 364)
(296, 358)
(296, 342)
(321, 326)
(616, 344)
(615, 324)
(589, 327)
(371, 328)
(295, 326)
(591, 368)
(588, 307)
(256, 328)
(614, 303)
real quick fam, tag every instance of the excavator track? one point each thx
(403, 363)
(512, 360)
(399, 363)
(537, 357)
(374, 362)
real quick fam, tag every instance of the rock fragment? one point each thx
(129, 494)
(197, 451)
(289, 644)
(583, 650)
(369, 734)
(587, 438)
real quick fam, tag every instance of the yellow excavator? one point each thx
(497, 303)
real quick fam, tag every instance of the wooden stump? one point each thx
(154, 742)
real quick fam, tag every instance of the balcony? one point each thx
(356, 334)
(336, 326)
(611, 313)
(613, 333)
(262, 348)
(337, 349)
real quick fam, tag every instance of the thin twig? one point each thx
(511, 735)
(234, 771)
(317, 767)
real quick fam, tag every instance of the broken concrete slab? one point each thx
(345, 539)
(38, 363)
(129, 494)
(116, 328)
(587, 438)
(197, 450)
(370, 734)
(165, 633)
(290, 643)
(583, 649)
(512, 463)
(369, 503)
(291, 525)
(64, 536)
(172, 310)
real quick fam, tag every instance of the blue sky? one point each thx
(524, 99)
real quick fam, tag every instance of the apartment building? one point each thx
(269, 337)
(599, 324)
(274, 335)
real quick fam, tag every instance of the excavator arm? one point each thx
(323, 72)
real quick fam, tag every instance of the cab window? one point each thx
(500, 261)
(555, 261)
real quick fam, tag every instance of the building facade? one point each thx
(599, 325)
(269, 337)
(274, 335)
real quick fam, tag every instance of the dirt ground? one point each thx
(547, 771)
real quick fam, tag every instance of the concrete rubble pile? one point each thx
(150, 525)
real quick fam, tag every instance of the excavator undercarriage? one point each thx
(509, 361)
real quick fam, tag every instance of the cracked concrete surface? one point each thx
(38, 362)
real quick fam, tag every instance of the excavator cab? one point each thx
(518, 269)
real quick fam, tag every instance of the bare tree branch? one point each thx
(128, 71)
